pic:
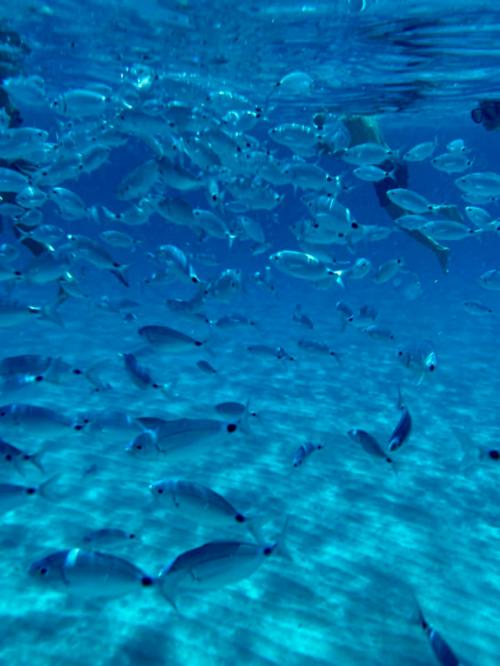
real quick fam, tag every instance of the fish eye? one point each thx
(267, 550)
(30, 491)
(43, 571)
(138, 447)
(432, 367)
(239, 518)
(160, 490)
(231, 427)
(494, 454)
(3, 413)
(131, 536)
(8, 457)
(39, 378)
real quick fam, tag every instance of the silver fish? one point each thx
(90, 574)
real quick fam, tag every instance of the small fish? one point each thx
(452, 162)
(490, 279)
(303, 265)
(320, 348)
(168, 339)
(232, 409)
(13, 495)
(302, 318)
(420, 357)
(139, 375)
(177, 438)
(205, 367)
(369, 444)
(215, 565)
(388, 270)
(402, 430)
(484, 184)
(303, 453)
(442, 651)
(90, 574)
(200, 504)
(409, 200)
(472, 453)
(377, 332)
(420, 152)
(477, 308)
(42, 420)
(107, 536)
(366, 154)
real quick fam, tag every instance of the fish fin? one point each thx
(36, 460)
(168, 595)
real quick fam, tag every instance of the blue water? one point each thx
(363, 543)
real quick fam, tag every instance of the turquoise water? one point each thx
(357, 543)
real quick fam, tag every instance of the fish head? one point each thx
(162, 489)
(49, 569)
(143, 445)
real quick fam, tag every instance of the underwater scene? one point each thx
(249, 323)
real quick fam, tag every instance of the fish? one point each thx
(420, 357)
(402, 430)
(175, 439)
(302, 265)
(303, 453)
(490, 279)
(420, 152)
(369, 444)
(43, 421)
(472, 452)
(205, 367)
(89, 574)
(477, 308)
(233, 409)
(452, 162)
(201, 505)
(301, 318)
(388, 270)
(320, 348)
(214, 565)
(107, 536)
(442, 651)
(484, 184)
(139, 375)
(366, 154)
(168, 339)
(13, 495)
(408, 200)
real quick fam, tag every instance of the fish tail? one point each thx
(167, 591)
(49, 313)
(120, 274)
(47, 488)
(36, 460)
